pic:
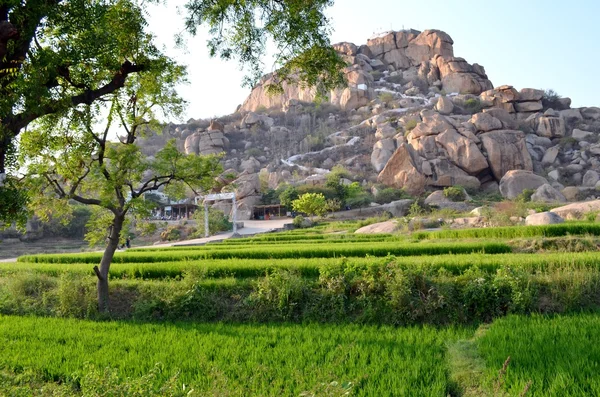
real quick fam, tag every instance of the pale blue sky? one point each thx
(528, 43)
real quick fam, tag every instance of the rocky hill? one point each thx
(413, 116)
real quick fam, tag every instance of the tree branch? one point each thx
(19, 121)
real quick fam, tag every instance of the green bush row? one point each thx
(557, 230)
(280, 252)
(346, 292)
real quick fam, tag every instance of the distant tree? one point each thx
(311, 204)
(69, 157)
(288, 196)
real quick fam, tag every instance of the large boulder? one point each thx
(382, 152)
(462, 152)
(439, 200)
(551, 127)
(444, 105)
(445, 174)
(381, 227)
(514, 182)
(506, 150)
(246, 185)
(548, 194)
(191, 143)
(543, 218)
(401, 171)
(485, 122)
(577, 210)
(212, 142)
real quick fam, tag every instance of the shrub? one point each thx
(172, 233)
(473, 105)
(525, 196)
(298, 221)
(217, 222)
(551, 100)
(397, 79)
(386, 97)
(455, 193)
(410, 125)
(254, 152)
(359, 200)
(390, 194)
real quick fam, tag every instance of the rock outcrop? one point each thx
(413, 116)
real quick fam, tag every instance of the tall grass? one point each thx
(559, 355)
(238, 360)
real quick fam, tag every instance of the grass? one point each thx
(237, 360)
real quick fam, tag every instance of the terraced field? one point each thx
(312, 313)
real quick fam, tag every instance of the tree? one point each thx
(311, 204)
(68, 157)
(56, 55)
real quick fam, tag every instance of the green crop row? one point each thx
(236, 360)
(556, 356)
(280, 252)
(228, 244)
(557, 230)
(540, 356)
(312, 267)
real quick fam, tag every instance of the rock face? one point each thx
(577, 210)
(543, 218)
(381, 227)
(514, 182)
(506, 151)
(207, 142)
(401, 172)
(413, 116)
(428, 56)
(547, 194)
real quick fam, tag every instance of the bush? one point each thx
(298, 221)
(551, 100)
(455, 193)
(525, 196)
(390, 194)
(172, 233)
(386, 97)
(359, 200)
(410, 125)
(473, 105)
(217, 222)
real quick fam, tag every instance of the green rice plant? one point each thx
(558, 355)
(219, 359)
(280, 252)
(508, 232)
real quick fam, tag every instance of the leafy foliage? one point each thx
(217, 221)
(311, 204)
(299, 30)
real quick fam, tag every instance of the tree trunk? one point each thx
(109, 252)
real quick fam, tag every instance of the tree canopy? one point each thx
(57, 55)
(89, 155)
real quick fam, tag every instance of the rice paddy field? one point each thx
(488, 312)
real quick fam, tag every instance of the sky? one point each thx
(549, 44)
